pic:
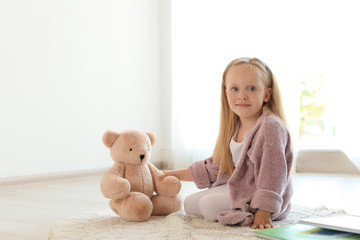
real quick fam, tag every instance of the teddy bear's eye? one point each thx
(130, 149)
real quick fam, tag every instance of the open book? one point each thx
(303, 232)
(345, 223)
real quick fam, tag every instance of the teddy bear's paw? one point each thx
(112, 194)
(170, 186)
(133, 207)
(114, 187)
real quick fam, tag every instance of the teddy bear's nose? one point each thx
(142, 157)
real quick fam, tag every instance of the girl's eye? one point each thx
(234, 89)
(252, 88)
(130, 149)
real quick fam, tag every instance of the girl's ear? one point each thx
(268, 93)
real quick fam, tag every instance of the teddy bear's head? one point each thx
(129, 146)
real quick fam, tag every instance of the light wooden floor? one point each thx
(28, 211)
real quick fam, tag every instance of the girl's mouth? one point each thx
(242, 105)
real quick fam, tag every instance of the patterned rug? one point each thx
(106, 225)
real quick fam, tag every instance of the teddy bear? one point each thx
(132, 183)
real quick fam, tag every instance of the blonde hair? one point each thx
(229, 121)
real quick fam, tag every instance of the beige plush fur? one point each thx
(132, 184)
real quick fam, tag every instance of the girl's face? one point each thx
(245, 92)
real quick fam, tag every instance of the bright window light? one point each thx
(311, 46)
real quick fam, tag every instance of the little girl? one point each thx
(248, 176)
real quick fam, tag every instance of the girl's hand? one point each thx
(165, 174)
(262, 220)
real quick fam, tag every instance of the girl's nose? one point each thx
(242, 95)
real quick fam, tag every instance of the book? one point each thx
(302, 232)
(345, 223)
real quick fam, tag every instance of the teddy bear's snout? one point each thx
(142, 157)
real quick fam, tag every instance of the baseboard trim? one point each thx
(18, 180)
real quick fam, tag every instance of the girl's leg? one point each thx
(212, 204)
(208, 203)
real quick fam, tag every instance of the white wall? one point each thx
(69, 70)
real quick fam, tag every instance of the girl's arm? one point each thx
(181, 174)
(272, 167)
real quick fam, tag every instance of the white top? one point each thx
(236, 150)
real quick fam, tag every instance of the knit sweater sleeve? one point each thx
(204, 173)
(272, 157)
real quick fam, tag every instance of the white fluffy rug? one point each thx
(106, 225)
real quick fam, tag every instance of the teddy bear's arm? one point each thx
(169, 186)
(112, 183)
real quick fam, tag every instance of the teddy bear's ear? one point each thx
(109, 138)
(152, 138)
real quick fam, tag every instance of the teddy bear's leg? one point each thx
(163, 205)
(133, 207)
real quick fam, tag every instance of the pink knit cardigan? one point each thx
(261, 179)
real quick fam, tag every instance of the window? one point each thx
(316, 128)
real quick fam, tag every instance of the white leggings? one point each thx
(208, 203)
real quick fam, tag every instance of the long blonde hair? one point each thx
(229, 121)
